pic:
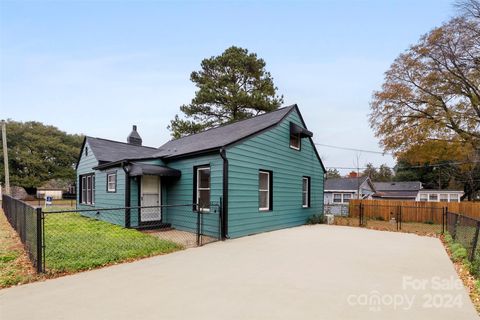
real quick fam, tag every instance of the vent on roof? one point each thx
(134, 138)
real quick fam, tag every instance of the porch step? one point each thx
(157, 226)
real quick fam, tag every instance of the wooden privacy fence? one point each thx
(412, 211)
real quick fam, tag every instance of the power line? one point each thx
(354, 149)
(408, 167)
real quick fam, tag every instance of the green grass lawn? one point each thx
(75, 243)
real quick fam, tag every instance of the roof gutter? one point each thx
(224, 213)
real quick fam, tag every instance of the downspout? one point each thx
(224, 215)
(126, 168)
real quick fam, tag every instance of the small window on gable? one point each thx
(295, 141)
(86, 151)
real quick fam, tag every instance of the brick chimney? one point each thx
(352, 174)
(134, 138)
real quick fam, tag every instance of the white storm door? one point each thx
(150, 197)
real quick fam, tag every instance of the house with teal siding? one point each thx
(261, 174)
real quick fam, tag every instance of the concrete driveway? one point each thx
(311, 272)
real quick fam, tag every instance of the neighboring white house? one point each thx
(413, 191)
(341, 190)
(429, 195)
(397, 190)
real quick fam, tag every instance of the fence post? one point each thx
(443, 220)
(360, 215)
(454, 235)
(198, 227)
(400, 217)
(39, 240)
(474, 242)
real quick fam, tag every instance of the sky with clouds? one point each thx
(98, 67)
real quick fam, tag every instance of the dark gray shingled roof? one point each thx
(344, 183)
(398, 186)
(221, 136)
(396, 194)
(108, 150)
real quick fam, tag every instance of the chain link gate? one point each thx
(426, 219)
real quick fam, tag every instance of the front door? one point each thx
(150, 197)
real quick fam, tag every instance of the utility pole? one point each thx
(358, 175)
(5, 157)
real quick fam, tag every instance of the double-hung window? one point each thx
(433, 197)
(265, 190)
(342, 197)
(306, 192)
(337, 198)
(453, 197)
(203, 188)
(87, 187)
(112, 182)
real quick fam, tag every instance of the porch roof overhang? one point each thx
(140, 169)
(296, 129)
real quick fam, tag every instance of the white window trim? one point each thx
(83, 190)
(456, 199)
(202, 189)
(443, 194)
(88, 198)
(307, 191)
(267, 208)
(89, 190)
(433, 194)
(341, 197)
(299, 142)
(114, 182)
(423, 197)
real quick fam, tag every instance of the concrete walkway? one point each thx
(311, 272)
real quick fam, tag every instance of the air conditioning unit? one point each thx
(329, 218)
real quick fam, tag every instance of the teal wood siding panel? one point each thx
(271, 151)
(85, 165)
(134, 201)
(103, 199)
(180, 192)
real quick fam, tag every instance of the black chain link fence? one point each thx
(27, 221)
(414, 219)
(65, 241)
(89, 238)
(464, 230)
